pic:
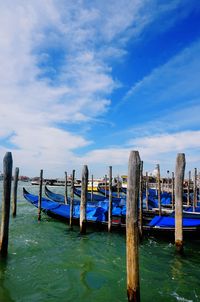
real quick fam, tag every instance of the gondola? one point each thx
(124, 190)
(95, 211)
(97, 198)
(159, 225)
(153, 205)
(104, 192)
(90, 196)
(164, 227)
(58, 197)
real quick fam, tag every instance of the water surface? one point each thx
(49, 262)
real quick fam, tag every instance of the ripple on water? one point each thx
(49, 262)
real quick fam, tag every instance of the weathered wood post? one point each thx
(110, 201)
(195, 189)
(118, 187)
(7, 180)
(132, 233)
(14, 198)
(159, 191)
(173, 194)
(179, 178)
(147, 191)
(83, 206)
(188, 189)
(141, 199)
(40, 195)
(71, 200)
(92, 188)
(105, 185)
(168, 182)
(66, 193)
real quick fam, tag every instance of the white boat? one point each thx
(124, 181)
(96, 183)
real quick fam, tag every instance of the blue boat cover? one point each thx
(190, 209)
(164, 221)
(94, 211)
(96, 197)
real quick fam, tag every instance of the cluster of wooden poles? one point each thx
(191, 187)
(133, 227)
(84, 198)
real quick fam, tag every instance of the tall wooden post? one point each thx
(72, 200)
(168, 182)
(40, 195)
(188, 189)
(66, 193)
(105, 185)
(159, 191)
(118, 187)
(110, 201)
(83, 206)
(132, 238)
(179, 178)
(195, 189)
(92, 189)
(147, 191)
(14, 199)
(173, 194)
(141, 199)
(7, 180)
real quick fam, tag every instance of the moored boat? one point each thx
(93, 185)
(159, 225)
(90, 196)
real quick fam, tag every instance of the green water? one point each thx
(48, 262)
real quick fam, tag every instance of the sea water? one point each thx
(48, 262)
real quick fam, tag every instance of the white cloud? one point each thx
(55, 68)
(165, 143)
(153, 149)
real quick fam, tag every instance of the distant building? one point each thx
(24, 178)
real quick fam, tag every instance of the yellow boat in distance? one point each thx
(124, 181)
(99, 182)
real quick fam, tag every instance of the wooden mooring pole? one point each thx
(118, 187)
(66, 193)
(195, 189)
(132, 232)
(72, 200)
(40, 195)
(105, 185)
(92, 188)
(141, 199)
(110, 201)
(159, 191)
(84, 190)
(179, 178)
(7, 180)
(147, 191)
(188, 189)
(14, 197)
(173, 193)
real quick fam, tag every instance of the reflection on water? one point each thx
(49, 262)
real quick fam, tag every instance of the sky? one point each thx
(86, 82)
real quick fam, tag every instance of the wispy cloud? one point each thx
(56, 68)
(161, 148)
(178, 80)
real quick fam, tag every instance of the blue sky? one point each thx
(86, 82)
